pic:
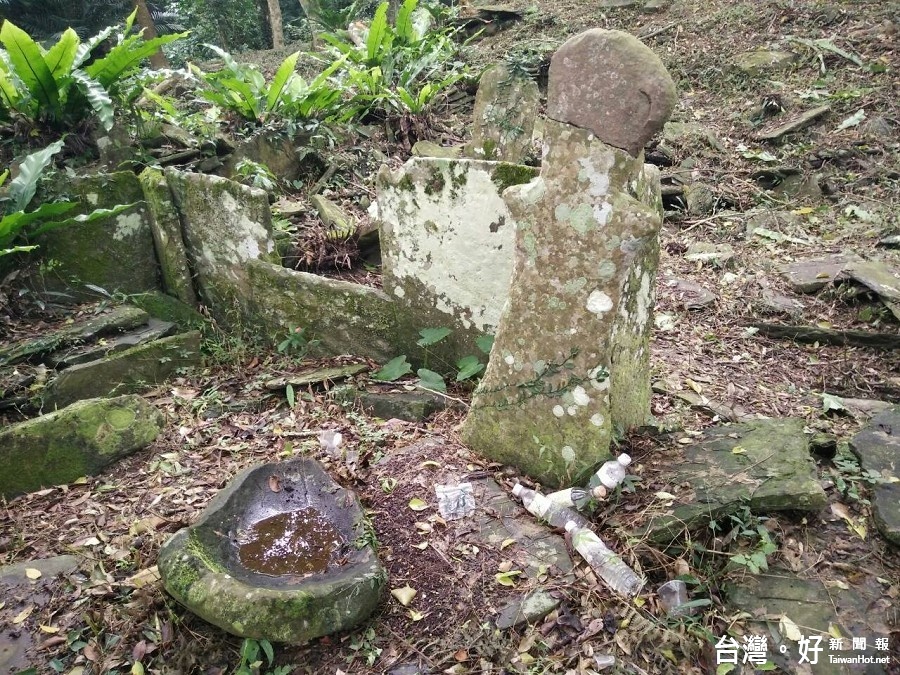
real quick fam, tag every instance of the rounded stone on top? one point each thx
(609, 82)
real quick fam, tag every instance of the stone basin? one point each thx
(304, 593)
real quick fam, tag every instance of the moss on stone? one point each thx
(506, 175)
(435, 183)
(167, 308)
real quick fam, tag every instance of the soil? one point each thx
(223, 419)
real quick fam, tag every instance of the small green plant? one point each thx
(297, 343)
(849, 476)
(243, 90)
(60, 87)
(466, 368)
(752, 531)
(363, 644)
(251, 664)
(17, 223)
(256, 175)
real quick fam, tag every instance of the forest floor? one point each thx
(223, 419)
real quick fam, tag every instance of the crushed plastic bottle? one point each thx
(611, 473)
(455, 501)
(605, 563)
(577, 498)
(541, 507)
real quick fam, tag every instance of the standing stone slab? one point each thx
(226, 225)
(114, 253)
(579, 308)
(76, 441)
(624, 102)
(447, 240)
(878, 448)
(506, 106)
(165, 225)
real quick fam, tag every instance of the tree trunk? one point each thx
(270, 10)
(157, 59)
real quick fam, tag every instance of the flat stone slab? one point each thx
(18, 591)
(762, 60)
(779, 128)
(128, 371)
(811, 275)
(813, 609)
(706, 252)
(117, 320)
(531, 608)
(77, 441)
(689, 294)
(764, 464)
(878, 448)
(409, 406)
(201, 566)
(317, 376)
(76, 354)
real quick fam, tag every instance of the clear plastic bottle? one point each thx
(577, 498)
(605, 563)
(611, 473)
(540, 506)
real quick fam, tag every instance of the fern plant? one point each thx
(243, 90)
(56, 88)
(16, 222)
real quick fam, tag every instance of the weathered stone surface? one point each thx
(167, 308)
(128, 371)
(625, 102)
(763, 464)
(546, 404)
(706, 252)
(345, 318)
(76, 354)
(317, 376)
(506, 106)
(200, 566)
(409, 406)
(780, 127)
(762, 60)
(76, 441)
(337, 222)
(530, 609)
(114, 253)
(782, 222)
(878, 448)
(226, 225)
(274, 150)
(816, 609)
(17, 591)
(117, 320)
(447, 241)
(432, 149)
(699, 198)
(811, 275)
(165, 225)
(689, 293)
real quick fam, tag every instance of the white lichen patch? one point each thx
(509, 359)
(567, 452)
(602, 213)
(597, 178)
(558, 411)
(92, 198)
(580, 396)
(572, 410)
(599, 303)
(597, 420)
(399, 292)
(643, 302)
(127, 225)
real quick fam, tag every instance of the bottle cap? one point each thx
(517, 489)
(624, 459)
(571, 525)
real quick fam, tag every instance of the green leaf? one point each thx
(267, 646)
(249, 650)
(13, 224)
(468, 366)
(725, 668)
(98, 97)
(484, 343)
(289, 392)
(393, 370)
(129, 22)
(428, 379)
(831, 402)
(282, 76)
(96, 214)
(431, 336)
(507, 578)
(379, 38)
(61, 56)
(126, 56)
(28, 63)
(23, 186)
(853, 121)
(85, 48)
(403, 29)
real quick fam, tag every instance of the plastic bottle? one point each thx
(607, 565)
(577, 498)
(611, 473)
(541, 507)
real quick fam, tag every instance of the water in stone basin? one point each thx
(298, 542)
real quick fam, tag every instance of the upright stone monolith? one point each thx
(571, 356)
(506, 106)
